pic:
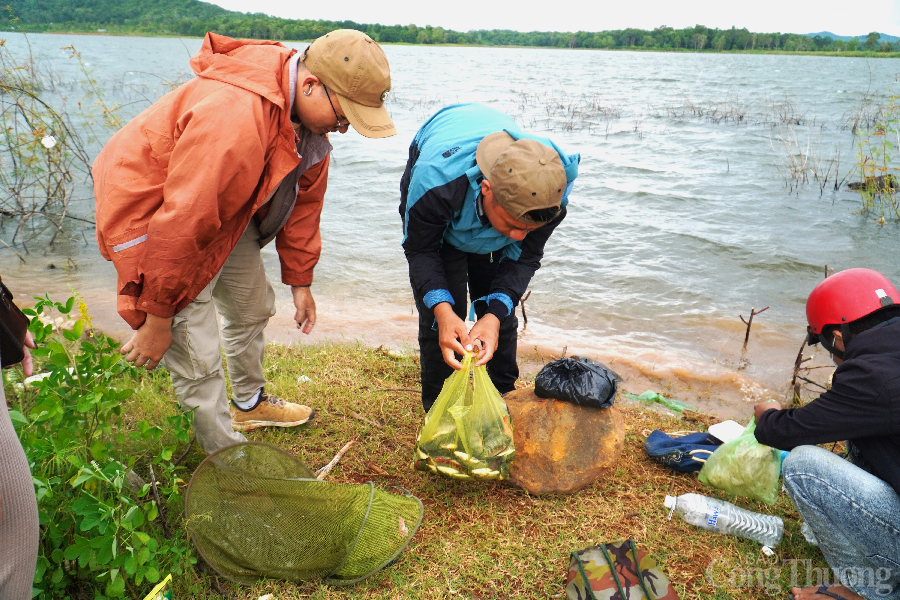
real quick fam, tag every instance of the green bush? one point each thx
(874, 160)
(101, 532)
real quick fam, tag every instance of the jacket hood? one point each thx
(884, 338)
(257, 66)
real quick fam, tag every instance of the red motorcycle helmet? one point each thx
(847, 296)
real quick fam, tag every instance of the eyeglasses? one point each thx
(821, 338)
(339, 125)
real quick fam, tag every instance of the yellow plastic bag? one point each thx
(163, 591)
(467, 433)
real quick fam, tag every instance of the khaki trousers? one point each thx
(243, 296)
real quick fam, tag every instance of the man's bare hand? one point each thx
(149, 343)
(27, 362)
(487, 331)
(452, 334)
(762, 407)
(306, 309)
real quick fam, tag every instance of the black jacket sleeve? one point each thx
(857, 406)
(427, 221)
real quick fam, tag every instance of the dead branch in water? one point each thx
(795, 385)
(748, 322)
(524, 316)
(798, 362)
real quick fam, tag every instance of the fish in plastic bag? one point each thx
(467, 433)
(744, 467)
(163, 591)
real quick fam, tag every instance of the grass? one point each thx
(487, 539)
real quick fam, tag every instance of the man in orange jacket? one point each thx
(190, 190)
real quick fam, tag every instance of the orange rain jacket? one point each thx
(176, 187)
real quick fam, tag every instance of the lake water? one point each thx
(684, 215)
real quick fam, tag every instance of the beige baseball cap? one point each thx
(524, 174)
(355, 68)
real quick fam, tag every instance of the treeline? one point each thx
(194, 18)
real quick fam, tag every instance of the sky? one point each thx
(765, 16)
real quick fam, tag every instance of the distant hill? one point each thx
(194, 18)
(112, 12)
(846, 38)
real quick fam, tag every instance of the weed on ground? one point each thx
(483, 540)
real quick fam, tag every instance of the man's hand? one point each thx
(27, 362)
(149, 343)
(487, 331)
(452, 334)
(762, 407)
(306, 308)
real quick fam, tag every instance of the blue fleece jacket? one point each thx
(439, 204)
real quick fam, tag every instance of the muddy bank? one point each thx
(717, 378)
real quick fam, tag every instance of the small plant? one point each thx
(806, 161)
(45, 164)
(875, 152)
(103, 529)
(42, 157)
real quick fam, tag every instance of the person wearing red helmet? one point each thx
(852, 506)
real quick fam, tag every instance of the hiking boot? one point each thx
(270, 411)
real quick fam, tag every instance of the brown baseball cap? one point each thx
(524, 174)
(355, 68)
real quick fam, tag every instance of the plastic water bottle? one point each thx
(724, 517)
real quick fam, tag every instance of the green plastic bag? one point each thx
(467, 433)
(744, 467)
(650, 397)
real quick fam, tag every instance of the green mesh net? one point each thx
(255, 511)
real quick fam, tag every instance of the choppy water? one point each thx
(683, 217)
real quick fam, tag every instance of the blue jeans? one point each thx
(855, 516)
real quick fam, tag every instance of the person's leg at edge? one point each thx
(433, 369)
(503, 367)
(195, 363)
(856, 519)
(19, 527)
(245, 299)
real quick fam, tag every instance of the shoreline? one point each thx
(718, 379)
(756, 51)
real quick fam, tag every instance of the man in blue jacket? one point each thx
(852, 507)
(479, 199)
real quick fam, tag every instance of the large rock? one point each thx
(561, 447)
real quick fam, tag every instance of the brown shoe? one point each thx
(270, 412)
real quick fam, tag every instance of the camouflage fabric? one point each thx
(607, 572)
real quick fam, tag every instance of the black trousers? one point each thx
(476, 271)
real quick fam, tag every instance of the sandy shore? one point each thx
(720, 380)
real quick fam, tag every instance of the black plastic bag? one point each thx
(583, 381)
